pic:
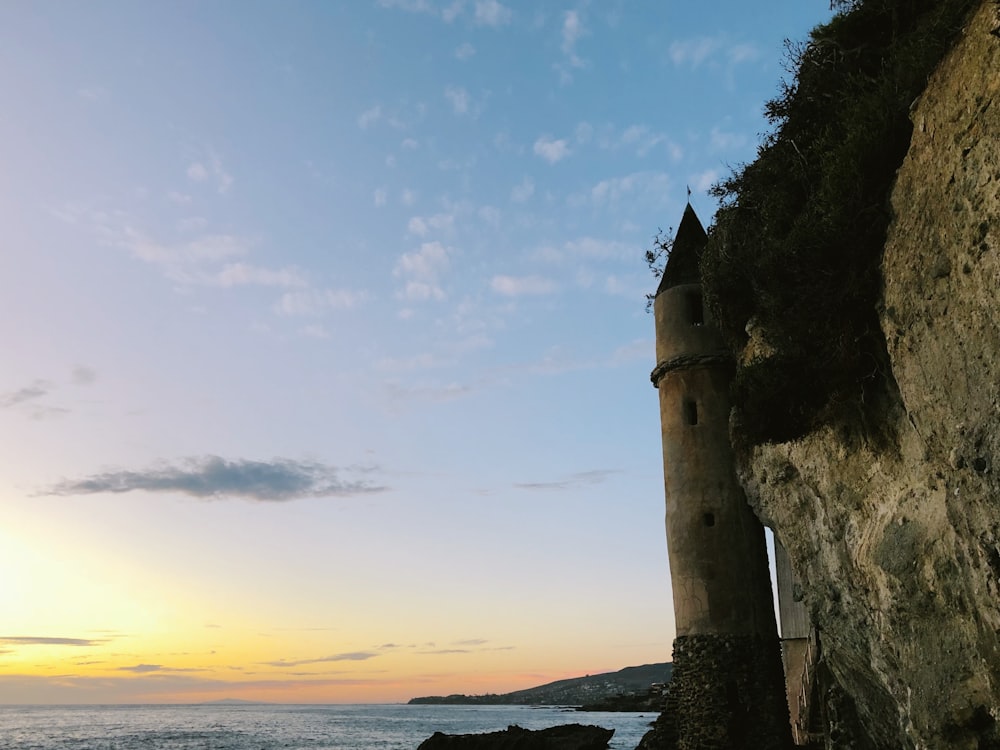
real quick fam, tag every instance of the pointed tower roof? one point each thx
(682, 265)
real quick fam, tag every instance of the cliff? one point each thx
(891, 517)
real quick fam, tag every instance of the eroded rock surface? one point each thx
(893, 524)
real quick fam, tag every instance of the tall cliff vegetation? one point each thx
(796, 246)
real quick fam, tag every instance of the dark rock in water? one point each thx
(565, 737)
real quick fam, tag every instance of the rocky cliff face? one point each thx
(893, 523)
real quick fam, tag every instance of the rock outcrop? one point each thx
(564, 737)
(893, 523)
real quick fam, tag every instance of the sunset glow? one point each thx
(326, 364)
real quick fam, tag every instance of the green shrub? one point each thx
(797, 243)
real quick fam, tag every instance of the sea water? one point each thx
(269, 727)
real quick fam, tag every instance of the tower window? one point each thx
(695, 309)
(708, 518)
(690, 411)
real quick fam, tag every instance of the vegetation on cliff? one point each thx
(796, 247)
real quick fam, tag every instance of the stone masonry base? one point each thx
(727, 692)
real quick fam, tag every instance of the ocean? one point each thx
(269, 727)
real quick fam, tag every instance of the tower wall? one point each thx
(718, 560)
(727, 690)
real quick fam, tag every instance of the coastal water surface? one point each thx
(269, 727)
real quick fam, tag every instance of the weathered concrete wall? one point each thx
(718, 564)
(897, 541)
(718, 561)
(727, 689)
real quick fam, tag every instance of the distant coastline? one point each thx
(629, 689)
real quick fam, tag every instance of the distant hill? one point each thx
(577, 691)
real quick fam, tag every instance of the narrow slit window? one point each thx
(696, 310)
(709, 519)
(690, 411)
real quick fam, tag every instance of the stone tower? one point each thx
(727, 691)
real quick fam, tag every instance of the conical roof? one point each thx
(682, 265)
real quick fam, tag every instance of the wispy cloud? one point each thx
(39, 640)
(517, 286)
(421, 272)
(142, 668)
(721, 140)
(459, 99)
(572, 30)
(464, 51)
(400, 394)
(317, 302)
(242, 274)
(573, 481)
(38, 389)
(213, 478)
(693, 52)
(551, 149)
(521, 192)
(350, 656)
(423, 225)
(210, 169)
(370, 116)
(649, 187)
(713, 50)
(83, 375)
(701, 182)
(149, 668)
(491, 13)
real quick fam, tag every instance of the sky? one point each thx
(326, 357)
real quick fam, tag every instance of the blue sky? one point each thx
(326, 340)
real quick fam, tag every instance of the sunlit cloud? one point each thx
(215, 478)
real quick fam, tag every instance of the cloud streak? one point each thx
(36, 390)
(36, 640)
(573, 481)
(214, 478)
(350, 656)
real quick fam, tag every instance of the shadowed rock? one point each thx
(565, 737)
